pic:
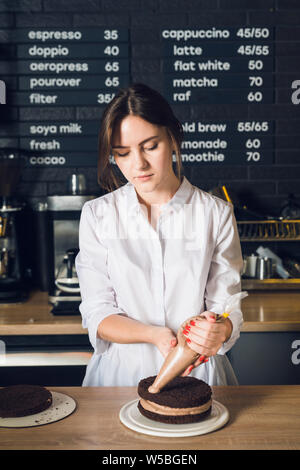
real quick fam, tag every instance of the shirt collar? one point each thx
(176, 202)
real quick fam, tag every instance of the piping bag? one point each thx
(182, 356)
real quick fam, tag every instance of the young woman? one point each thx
(154, 251)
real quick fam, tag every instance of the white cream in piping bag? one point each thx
(182, 356)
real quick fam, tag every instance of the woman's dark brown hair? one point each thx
(138, 100)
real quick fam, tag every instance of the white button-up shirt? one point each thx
(190, 263)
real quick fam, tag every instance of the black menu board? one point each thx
(222, 66)
(78, 67)
(70, 69)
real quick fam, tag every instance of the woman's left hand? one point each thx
(207, 336)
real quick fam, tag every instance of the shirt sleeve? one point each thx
(97, 293)
(224, 278)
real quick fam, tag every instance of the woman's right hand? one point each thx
(164, 339)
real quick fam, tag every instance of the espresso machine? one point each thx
(58, 228)
(13, 286)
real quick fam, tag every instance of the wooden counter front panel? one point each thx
(267, 358)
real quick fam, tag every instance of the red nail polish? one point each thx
(185, 332)
(188, 340)
(201, 358)
(187, 327)
(206, 360)
(192, 323)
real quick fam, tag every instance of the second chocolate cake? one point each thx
(183, 400)
(23, 400)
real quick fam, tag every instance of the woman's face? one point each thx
(143, 153)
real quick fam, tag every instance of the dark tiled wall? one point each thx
(263, 187)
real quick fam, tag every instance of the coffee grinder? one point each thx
(58, 232)
(12, 279)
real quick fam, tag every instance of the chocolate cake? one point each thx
(23, 400)
(182, 400)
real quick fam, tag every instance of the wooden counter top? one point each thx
(261, 417)
(263, 311)
(34, 317)
(271, 311)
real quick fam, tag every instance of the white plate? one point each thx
(131, 417)
(62, 406)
